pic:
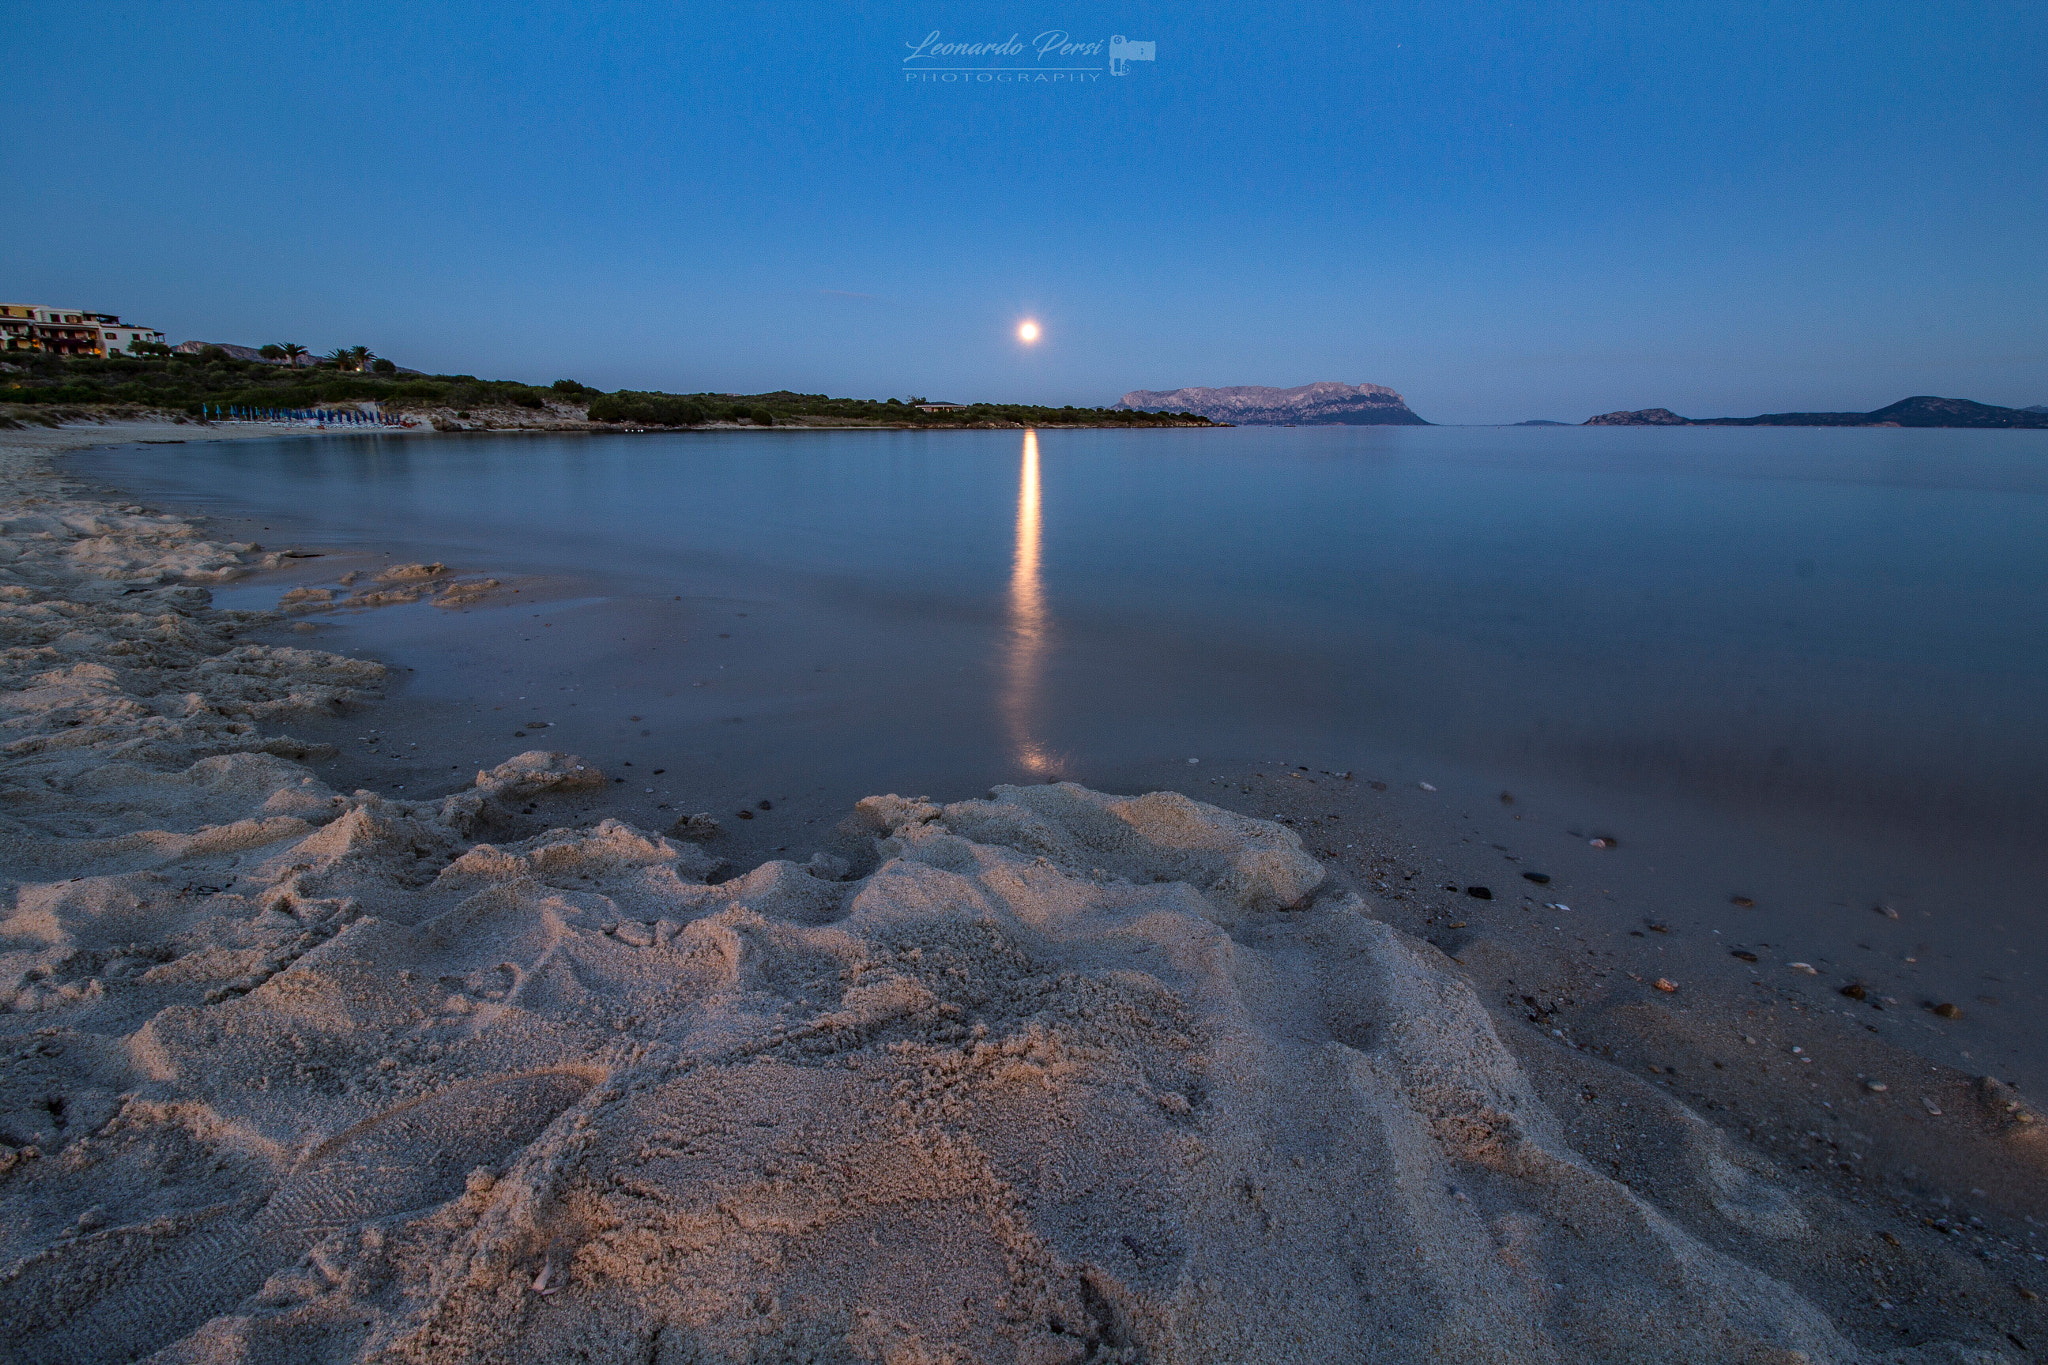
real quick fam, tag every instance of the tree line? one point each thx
(154, 376)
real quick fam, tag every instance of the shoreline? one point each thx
(510, 421)
(1742, 1206)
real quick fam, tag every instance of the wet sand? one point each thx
(453, 1051)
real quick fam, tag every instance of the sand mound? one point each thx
(302, 1076)
(1079, 1086)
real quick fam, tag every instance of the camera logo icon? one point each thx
(1123, 51)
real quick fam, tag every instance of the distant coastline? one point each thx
(46, 389)
(1923, 411)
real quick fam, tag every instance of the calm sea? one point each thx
(1818, 650)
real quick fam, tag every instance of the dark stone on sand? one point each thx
(1948, 1011)
(765, 805)
(1744, 954)
(701, 825)
(1479, 893)
(746, 814)
(1377, 786)
(1743, 901)
(1854, 990)
(1540, 878)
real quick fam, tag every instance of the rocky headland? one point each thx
(1322, 404)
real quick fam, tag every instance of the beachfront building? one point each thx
(116, 336)
(68, 331)
(14, 321)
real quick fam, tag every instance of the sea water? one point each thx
(1813, 655)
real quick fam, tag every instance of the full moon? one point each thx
(1028, 333)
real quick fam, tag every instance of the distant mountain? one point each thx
(1324, 404)
(1539, 422)
(1907, 412)
(2038, 407)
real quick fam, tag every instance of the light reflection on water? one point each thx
(1030, 624)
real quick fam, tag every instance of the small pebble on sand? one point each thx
(1665, 984)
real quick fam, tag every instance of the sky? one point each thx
(1504, 211)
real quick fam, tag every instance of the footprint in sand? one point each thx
(127, 1292)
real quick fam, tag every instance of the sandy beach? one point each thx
(300, 1070)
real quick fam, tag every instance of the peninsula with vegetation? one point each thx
(197, 381)
(1922, 411)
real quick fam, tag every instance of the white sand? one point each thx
(295, 1075)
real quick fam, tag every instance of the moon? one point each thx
(1028, 333)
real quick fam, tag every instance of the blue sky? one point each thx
(1503, 211)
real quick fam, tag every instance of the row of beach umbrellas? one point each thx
(330, 417)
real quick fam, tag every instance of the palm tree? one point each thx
(343, 358)
(292, 351)
(362, 356)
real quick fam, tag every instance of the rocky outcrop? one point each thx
(1645, 417)
(233, 352)
(1322, 404)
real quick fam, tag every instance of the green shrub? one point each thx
(385, 366)
(529, 399)
(647, 409)
(762, 417)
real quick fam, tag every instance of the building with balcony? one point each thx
(68, 331)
